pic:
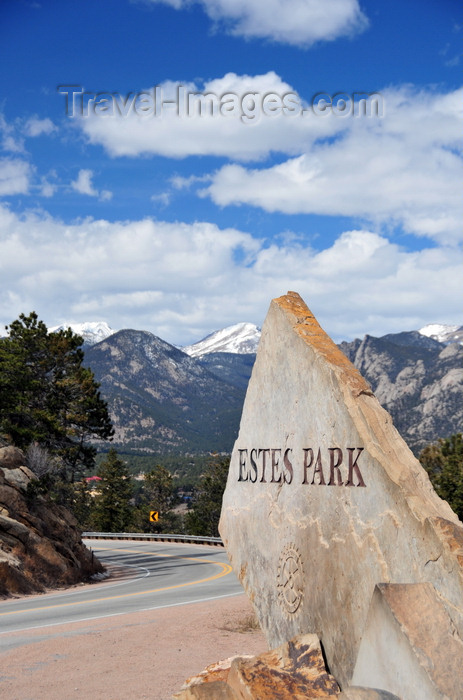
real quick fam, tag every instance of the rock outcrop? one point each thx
(417, 380)
(40, 542)
(324, 500)
(293, 671)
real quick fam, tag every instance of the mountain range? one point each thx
(92, 332)
(165, 399)
(160, 398)
(241, 338)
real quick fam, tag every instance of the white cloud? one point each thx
(239, 130)
(36, 127)
(15, 175)
(182, 281)
(13, 134)
(12, 144)
(163, 198)
(47, 189)
(295, 22)
(405, 168)
(83, 184)
(10, 141)
(179, 182)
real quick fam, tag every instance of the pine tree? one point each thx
(82, 505)
(113, 509)
(46, 395)
(23, 381)
(158, 489)
(444, 463)
(156, 494)
(204, 517)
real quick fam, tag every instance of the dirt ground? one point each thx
(129, 657)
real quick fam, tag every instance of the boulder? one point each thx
(19, 477)
(324, 499)
(14, 529)
(40, 542)
(11, 457)
(294, 671)
(217, 671)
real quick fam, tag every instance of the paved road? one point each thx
(161, 575)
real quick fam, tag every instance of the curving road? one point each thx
(147, 575)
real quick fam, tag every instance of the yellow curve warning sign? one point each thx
(154, 516)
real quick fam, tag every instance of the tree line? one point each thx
(118, 502)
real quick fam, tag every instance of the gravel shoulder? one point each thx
(128, 657)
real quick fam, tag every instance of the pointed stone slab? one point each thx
(324, 499)
(410, 645)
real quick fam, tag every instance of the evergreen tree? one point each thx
(156, 494)
(444, 463)
(82, 505)
(158, 489)
(46, 395)
(113, 510)
(23, 370)
(204, 517)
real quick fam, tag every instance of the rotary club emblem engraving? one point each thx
(290, 579)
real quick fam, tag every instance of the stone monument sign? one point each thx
(324, 500)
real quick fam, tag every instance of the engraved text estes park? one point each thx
(331, 466)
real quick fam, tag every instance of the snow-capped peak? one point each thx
(241, 338)
(443, 333)
(91, 331)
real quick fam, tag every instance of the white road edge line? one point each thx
(133, 612)
(189, 602)
(79, 591)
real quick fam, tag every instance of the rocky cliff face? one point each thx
(40, 543)
(417, 379)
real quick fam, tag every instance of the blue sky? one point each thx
(183, 224)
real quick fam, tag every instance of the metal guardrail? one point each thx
(191, 539)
